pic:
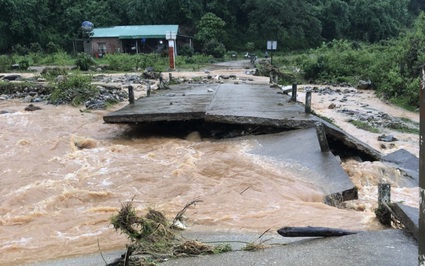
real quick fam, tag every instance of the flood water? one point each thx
(56, 199)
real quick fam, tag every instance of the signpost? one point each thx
(421, 240)
(171, 37)
(271, 45)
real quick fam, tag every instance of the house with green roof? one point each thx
(132, 39)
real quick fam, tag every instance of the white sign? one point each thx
(271, 45)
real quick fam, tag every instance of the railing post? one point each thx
(308, 102)
(321, 136)
(130, 94)
(421, 239)
(294, 92)
(384, 199)
(149, 90)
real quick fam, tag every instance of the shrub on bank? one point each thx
(75, 90)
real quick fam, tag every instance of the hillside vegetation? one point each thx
(327, 40)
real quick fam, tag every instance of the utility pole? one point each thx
(421, 240)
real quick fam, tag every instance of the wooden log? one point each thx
(311, 231)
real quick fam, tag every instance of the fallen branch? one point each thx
(179, 216)
(311, 231)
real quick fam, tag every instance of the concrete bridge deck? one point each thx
(225, 103)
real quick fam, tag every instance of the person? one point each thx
(266, 55)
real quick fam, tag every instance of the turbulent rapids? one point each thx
(64, 174)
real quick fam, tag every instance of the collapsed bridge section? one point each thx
(255, 106)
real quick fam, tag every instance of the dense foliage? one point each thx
(382, 41)
(393, 66)
(49, 25)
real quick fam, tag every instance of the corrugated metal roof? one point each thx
(134, 32)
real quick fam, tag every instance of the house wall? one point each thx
(111, 45)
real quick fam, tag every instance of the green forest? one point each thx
(329, 40)
(295, 24)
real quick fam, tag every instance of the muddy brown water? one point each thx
(56, 200)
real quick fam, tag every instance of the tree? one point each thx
(290, 22)
(24, 22)
(377, 20)
(141, 12)
(210, 34)
(334, 15)
(416, 6)
(210, 27)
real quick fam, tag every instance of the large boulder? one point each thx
(12, 77)
(364, 85)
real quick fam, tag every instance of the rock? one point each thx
(385, 138)
(2, 112)
(332, 106)
(32, 107)
(27, 99)
(83, 143)
(95, 105)
(12, 77)
(364, 85)
(37, 100)
(60, 78)
(195, 136)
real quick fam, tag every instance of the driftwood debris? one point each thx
(311, 231)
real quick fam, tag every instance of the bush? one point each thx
(75, 90)
(20, 49)
(52, 48)
(127, 62)
(214, 48)
(6, 62)
(391, 65)
(35, 47)
(186, 50)
(250, 46)
(24, 64)
(84, 61)
(59, 58)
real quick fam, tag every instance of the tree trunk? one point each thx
(310, 231)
